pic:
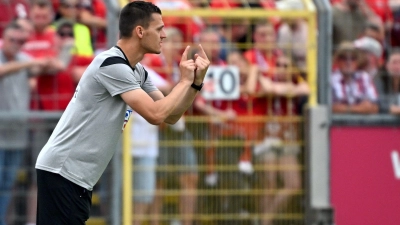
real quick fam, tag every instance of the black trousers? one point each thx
(60, 201)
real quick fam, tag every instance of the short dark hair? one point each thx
(134, 14)
(41, 3)
(12, 26)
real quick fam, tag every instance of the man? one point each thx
(350, 18)
(87, 134)
(54, 89)
(353, 90)
(265, 50)
(15, 70)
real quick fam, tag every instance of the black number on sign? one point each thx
(227, 75)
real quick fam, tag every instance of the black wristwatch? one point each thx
(197, 87)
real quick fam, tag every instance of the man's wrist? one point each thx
(197, 82)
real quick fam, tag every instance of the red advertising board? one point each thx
(365, 175)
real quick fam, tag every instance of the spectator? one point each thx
(229, 124)
(182, 154)
(145, 152)
(280, 146)
(350, 17)
(372, 51)
(55, 89)
(210, 42)
(353, 90)
(292, 39)
(265, 50)
(391, 101)
(93, 15)
(69, 11)
(15, 69)
(234, 34)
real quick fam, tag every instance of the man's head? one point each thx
(210, 40)
(142, 21)
(283, 68)
(372, 50)
(264, 35)
(393, 64)
(69, 9)
(41, 14)
(14, 37)
(347, 58)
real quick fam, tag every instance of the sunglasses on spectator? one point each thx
(284, 65)
(17, 41)
(66, 34)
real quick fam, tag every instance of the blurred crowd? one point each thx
(46, 46)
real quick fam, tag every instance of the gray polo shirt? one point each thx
(14, 99)
(88, 132)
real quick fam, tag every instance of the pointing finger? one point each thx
(202, 52)
(185, 53)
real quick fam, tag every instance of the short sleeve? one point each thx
(147, 85)
(117, 77)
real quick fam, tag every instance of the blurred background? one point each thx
(297, 123)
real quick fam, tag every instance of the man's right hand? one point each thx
(202, 64)
(187, 67)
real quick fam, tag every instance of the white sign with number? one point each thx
(221, 83)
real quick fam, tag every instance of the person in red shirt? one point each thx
(54, 90)
(265, 51)
(284, 90)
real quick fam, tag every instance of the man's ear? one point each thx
(139, 31)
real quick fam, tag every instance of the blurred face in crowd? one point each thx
(239, 29)
(173, 43)
(210, 42)
(65, 32)
(41, 16)
(283, 68)
(264, 36)
(347, 62)
(13, 40)
(69, 9)
(237, 59)
(393, 65)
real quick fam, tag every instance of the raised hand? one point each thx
(187, 67)
(202, 63)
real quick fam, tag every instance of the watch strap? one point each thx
(197, 87)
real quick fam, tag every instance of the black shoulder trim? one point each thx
(145, 75)
(114, 60)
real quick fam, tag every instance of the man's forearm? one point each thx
(182, 104)
(13, 67)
